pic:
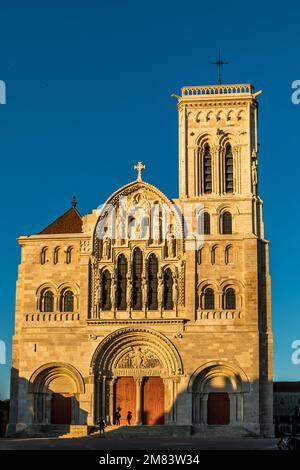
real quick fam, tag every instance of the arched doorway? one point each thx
(137, 372)
(56, 389)
(218, 391)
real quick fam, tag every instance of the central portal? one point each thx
(139, 397)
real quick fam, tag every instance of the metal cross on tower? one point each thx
(219, 63)
(139, 167)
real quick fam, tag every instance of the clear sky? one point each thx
(88, 95)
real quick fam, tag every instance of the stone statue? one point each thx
(128, 293)
(113, 293)
(175, 291)
(106, 247)
(137, 358)
(160, 291)
(171, 246)
(254, 173)
(144, 292)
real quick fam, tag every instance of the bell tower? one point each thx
(217, 141)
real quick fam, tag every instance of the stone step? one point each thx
(146, 431)
(54, 430)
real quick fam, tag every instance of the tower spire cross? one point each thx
(139, 168)
(219, 63)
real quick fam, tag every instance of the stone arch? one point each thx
(116, 345)
(56, 388)
(218, 382)
(41, 379)
(237, 377)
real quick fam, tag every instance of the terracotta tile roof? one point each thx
(286, 387)
(69, 222)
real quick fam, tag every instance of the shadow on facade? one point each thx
(48, 405)
(215, 403)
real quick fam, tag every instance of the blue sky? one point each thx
(88, 95)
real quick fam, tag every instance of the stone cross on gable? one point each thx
(139, 167)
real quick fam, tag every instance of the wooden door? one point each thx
(61, 408)
(218, 408)
(125, 399)
(153, 401)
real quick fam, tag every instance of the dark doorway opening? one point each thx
(218, 408)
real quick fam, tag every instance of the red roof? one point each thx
(69, 222)
(286, 387)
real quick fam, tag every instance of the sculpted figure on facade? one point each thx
(171, 246)
(106, 248)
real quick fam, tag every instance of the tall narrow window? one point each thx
(152, 282)
(137, 271)
(204, 223)
(226, 223)
(168, 289)
(214, 255)
(207, 173)
(228, 170)
(69, 255)
(230, 299)
(228, 254)
(122, 282)
(48, 302)
(208, 299)
(106, 285)
(44, 255)
(56, 255)
(67, 301)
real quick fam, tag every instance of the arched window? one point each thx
(168, 289)
(44, 255)
(204, 223)
(122, 282)
(228, 170)
(106, 286)
(229, 299)
(228, 254)
(47, 301)
(56, 255)
(226, 223)
(208, 299)
(69, 255)
(214, 255)
(67, 301)
(207, 173)
(152, 282)
(137, 271)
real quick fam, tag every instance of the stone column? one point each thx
(240, 407)
(103, 397)
(233, 409)
(139, 391)
(111, 402)
(204, 408)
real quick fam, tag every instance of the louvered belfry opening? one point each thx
(228, 170)
(207, 172)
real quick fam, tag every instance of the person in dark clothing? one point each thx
(117, 417)
(129, 417)
(101, 424)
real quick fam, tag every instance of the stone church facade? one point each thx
(155, 311)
